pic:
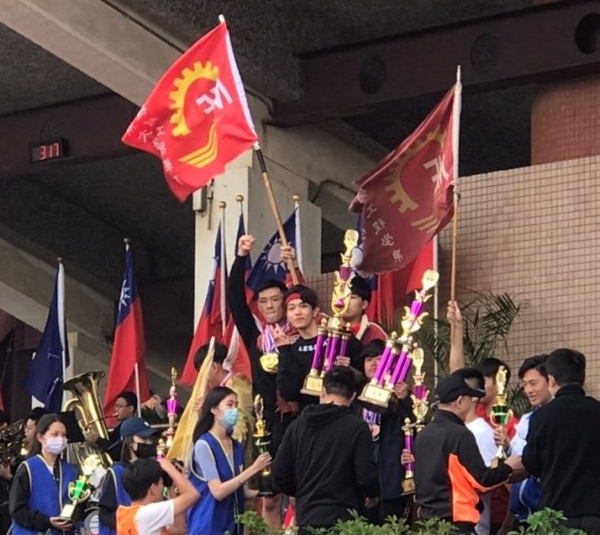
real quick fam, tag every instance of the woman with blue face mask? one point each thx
(40, 487)
(217, 467)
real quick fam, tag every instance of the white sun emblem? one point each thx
(125, 296)
(273, 258)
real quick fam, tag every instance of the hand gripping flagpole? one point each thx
(271, 195)
(136, 369)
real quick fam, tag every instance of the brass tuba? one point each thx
(85, 389)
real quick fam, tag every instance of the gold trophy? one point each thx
(500, 413)
(172, 406)
(262, 441)
(79, 490)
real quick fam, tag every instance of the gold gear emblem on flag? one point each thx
(395, 186)
(208, 152)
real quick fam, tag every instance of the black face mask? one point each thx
(145, 451)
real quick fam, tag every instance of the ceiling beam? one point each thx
(540, 43)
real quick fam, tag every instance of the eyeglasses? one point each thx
(273, 300)
(120, 406)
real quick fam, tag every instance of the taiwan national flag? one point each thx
(196, 120)
(128, 357)
(269, 264)
(46, 374)
(214, 317)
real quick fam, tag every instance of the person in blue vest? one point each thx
(217, 467)
(40, 486)
(139, 442)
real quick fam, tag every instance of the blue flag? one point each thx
(45, 378)
(269, 264)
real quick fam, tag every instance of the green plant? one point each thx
(488, 319)
(546, 522)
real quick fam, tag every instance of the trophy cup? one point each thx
(172, 409)
(397, 356)
(333, 336)
(419, 395)
(262, 441)
(500, 412)
(79, 490)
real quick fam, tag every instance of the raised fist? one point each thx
(245, 244)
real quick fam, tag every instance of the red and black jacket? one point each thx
(449, 471)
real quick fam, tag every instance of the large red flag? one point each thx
(129, 348)
(214, 317)
(407, 199)
(196, 120)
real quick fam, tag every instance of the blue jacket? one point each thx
(113, 481)
(43, 493)
(210, 516)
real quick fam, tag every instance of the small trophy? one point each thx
(262, 441)
(172, 408)
(408, 483)
(79, 490)
(500, 413)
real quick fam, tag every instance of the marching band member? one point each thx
(40, 488)
(138, 443)
(30, 425)
(217, 467)
(219, 376)
(125, 407)
(149, 513)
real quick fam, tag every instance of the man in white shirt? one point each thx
(149, 513)
(484, 436)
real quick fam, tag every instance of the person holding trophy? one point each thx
(40, 488)
(217, 468)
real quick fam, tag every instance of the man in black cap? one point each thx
(449, 470)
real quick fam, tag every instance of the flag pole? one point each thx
(296, 199)
(274, 208)
(62, 323)
(223, 266)
(456, 149)
(136, 369)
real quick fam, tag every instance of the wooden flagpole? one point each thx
(274, 208)
(456, 149)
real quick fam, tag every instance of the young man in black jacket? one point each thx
(259, 342)
(326, 459)
(449, 470)
(562, 444)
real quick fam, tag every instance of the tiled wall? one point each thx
(534, 233)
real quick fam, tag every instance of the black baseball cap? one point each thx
(454, 386)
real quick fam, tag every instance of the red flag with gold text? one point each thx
(196, 120)
(408, 197)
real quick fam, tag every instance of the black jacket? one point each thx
(263, 383)
(449, 471)
(327, 461)
(562, 450)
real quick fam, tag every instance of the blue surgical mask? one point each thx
(230, 418)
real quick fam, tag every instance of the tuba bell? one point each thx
(86, 401)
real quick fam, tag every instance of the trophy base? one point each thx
(266, 489)
(408, 486)
(67, 513)
(313, 386)
(375, 397)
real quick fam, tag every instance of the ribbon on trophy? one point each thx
(397, 357)
(262, 440)
(333, 335)
(501, 413)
